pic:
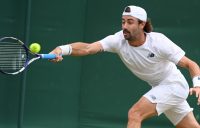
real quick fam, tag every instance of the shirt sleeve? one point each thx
(111, 43)
(170, 50)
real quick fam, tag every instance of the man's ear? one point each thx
(142, 24)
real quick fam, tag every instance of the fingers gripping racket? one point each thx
(15, 56)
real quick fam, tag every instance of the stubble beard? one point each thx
(128, 36)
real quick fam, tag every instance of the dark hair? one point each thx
(148, 26)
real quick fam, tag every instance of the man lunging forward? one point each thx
(152, 57)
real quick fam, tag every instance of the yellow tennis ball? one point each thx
(35, 47)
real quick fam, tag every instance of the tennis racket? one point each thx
(15, 56)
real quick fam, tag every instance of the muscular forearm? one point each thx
(82, 49)
(79, 49)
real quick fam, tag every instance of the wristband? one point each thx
(66, 49)
(196, 81)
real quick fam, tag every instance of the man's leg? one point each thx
(141, 110)
(188, 121)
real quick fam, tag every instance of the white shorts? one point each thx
(170, 97)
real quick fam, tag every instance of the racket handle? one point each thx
(47, 56)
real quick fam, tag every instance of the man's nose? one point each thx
(124, 26)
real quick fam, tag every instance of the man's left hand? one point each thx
(196, 91)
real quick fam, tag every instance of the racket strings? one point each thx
(12, 56)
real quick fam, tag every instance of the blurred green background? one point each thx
(84, 92)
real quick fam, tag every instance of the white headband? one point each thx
(136, 12)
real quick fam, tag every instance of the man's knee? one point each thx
(134, 114)
(139, 112)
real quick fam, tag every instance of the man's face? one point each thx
(131, 27)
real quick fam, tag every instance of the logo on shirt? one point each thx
(150, 55)
(153, 97)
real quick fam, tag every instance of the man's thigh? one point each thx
(188, 121)
(176, 113)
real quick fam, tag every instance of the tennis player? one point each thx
(152, 57)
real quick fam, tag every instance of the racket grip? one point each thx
(47, 56)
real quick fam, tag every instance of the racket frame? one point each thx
(28, 53)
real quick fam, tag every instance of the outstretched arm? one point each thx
(77, 49)
(82, 49)
(195, 74)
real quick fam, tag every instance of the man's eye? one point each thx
(130, 22)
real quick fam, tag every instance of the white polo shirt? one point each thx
(152, 62)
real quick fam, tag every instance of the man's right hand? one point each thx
(58, 52)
